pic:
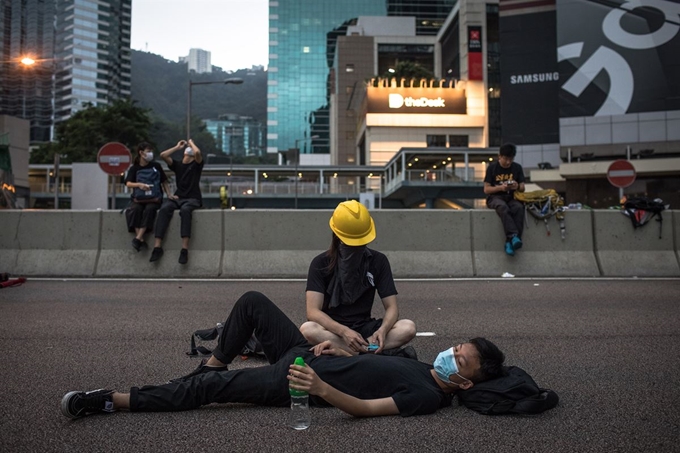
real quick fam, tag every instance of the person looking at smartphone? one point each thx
(503, 178)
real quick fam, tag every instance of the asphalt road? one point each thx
(609, 348)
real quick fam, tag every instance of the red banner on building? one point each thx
(475, 65)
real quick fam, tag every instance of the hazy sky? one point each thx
(234, 31)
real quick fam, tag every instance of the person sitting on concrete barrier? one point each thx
(148, 181)
(341, 286)
(186, 198)
(362, 386)
(502, 179)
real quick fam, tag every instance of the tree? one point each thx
(79, 138)
(408, 71)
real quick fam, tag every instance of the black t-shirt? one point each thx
(188, 177)
(379, 277)
(369, 376)
(496, 175)
(132, 172)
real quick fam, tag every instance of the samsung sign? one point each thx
(534, 78)
(416, 100)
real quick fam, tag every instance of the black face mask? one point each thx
(349, 281)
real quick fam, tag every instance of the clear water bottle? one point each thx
(300, 417)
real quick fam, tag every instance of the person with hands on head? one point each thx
(363, 385)
(186, 198)
(341, 286)
(146, 178)
(502, 179)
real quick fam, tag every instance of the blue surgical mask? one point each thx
(148, 156)
(189, 151)
(445, 365)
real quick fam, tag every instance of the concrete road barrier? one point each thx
(273, 243)
(49, 243)
(625, 251)
(277, 243)
(434, 243)
(542, 254)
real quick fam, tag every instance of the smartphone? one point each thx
(372, 347)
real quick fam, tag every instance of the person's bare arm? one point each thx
(314, 313)
(167, 154)
(197, 151)
(391, 316)
(304, 378)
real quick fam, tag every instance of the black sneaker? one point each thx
(80, 404)
(137, 244)
(144, 245)
(183, 256)
(156, 254)
(408, 352)
(200, 369)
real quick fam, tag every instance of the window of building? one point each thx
(458, 141)
(436, 140)
(349, 68)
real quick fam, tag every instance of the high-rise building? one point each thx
(198, 61)
(92, 54)
(237, 135)
(81, 50)
(27, 30)
(302, 36)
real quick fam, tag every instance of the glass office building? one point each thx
(27, 30)
(302, 34)
(82, 54)
(92, 54)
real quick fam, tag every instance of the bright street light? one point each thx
(27, 61)
(231, 80)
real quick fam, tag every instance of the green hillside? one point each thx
(162, 85)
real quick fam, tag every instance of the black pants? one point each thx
(186, 206)
(511, 214)
(267, 386)
(141, 215)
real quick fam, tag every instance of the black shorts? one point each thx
(367, 327)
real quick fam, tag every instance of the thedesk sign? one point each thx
(416, 100)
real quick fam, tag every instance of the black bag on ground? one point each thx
(514, 393)
(252, 347)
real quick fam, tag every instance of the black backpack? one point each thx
(514, 393)
(641, 210)
(252, 347)
(151, 176)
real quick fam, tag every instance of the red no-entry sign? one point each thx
(114, 158)
(621, 173)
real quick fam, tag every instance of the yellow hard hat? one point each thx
(352, 223)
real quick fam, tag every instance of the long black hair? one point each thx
(332, 253)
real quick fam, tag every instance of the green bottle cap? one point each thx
(301, 362)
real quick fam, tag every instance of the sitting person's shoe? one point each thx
(200, 369)
(137, 244)
(144, 245)
(80, 404)
(407, 352)
(516, 243)
(156, 254)
(508, 249)
(183, 256)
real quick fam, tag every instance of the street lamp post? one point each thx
(232, 80)
(297, 161)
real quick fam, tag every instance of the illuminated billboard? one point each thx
(416, 100)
